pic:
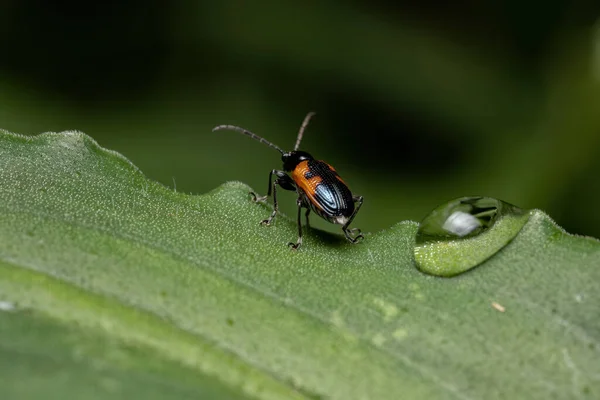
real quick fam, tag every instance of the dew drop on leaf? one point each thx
(7, 306)
(463, 233)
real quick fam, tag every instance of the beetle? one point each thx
(318, 185)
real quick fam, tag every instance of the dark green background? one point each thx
(417, 102)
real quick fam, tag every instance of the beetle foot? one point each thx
(258, 199)
(350, 235)
(356, 238)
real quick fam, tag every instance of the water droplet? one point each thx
(7, 306)
(463, 233)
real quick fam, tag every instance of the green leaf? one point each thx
(114, 285)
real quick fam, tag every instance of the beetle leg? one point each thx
(282, 180)
(349, 232)
(275, 205)
(306, 215)
(296, 245)
(262, 199)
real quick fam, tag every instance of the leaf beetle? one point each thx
(318, 185)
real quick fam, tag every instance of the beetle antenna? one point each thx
(247, 133)
(302, 128)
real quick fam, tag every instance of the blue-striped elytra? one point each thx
(318, 185)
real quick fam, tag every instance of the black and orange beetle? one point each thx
(318, 185)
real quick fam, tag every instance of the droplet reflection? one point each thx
(461, 234)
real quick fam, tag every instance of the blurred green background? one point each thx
(417, 102)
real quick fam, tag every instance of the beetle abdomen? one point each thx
(326, 192)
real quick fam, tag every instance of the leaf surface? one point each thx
(190, 295)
